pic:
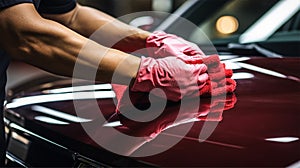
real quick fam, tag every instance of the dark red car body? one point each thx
(267, 107)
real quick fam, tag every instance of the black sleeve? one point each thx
(56, 6)
(9, 3)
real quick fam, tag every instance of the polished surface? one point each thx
(262, 129)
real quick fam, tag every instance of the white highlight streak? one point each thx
(50, 120)
(232, 65)
(79, 88)
(283, 139)
(112, 124)
(261, 70)
(242, 75)
(59, 114)
(18, 102)
(225, 57)
(295, 165)
(237, 59)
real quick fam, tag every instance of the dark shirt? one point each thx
(44, 6)
(4, 60)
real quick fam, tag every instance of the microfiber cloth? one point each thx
(212, 88)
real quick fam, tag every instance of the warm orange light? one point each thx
(227, 24)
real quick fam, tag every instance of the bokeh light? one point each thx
(227, 24)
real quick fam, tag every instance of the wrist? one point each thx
(142, 37)
(135, 41)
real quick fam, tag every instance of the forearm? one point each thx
(55, 48)
(106, 30)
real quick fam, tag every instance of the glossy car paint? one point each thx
(267, 108)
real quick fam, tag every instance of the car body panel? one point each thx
(267, 107)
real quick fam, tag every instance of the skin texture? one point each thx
(53, 42)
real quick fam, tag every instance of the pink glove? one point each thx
(176, 78)
(160, 44)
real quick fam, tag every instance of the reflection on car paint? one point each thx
(80, 88)
(242, 75)
(236, 64)
(261, 70)
(49, 120)
(232, 65)
(18, 102)
(19, 128)
(210, 110)
(209, 142)
(283, 139)
(112, 124)
(59, 114)
(225, 57)
(20, 138)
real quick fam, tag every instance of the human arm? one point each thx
(28, 37)
(111, 32)
(55, 48)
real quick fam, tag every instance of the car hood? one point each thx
(260, 127)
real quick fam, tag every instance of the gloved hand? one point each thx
(176, 78)
(160, 44)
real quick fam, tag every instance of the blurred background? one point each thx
(18, 71)
(272, 25)
(119, 8)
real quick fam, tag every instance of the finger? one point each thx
(203, 78)
(190, 59)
